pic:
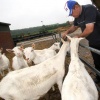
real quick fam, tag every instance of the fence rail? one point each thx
(92, 49)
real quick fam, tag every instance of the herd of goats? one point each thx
(32, 82)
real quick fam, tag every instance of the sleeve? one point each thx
(90, 15)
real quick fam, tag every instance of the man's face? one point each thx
(76, 11)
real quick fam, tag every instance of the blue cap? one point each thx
(70, 5)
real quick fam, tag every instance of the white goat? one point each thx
(33, 82)
(78, 85)
(38, 56)
(4, 63)
(18, 61)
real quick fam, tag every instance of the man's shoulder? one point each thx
(89, 6)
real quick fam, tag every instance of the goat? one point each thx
(33, 82)
(4, 63)
(18, 61)
(78, 85)
(38, 56)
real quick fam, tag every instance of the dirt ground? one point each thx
(84, 53)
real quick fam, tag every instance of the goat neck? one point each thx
(63, 50)
(74, 48)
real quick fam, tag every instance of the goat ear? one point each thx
(22, 46)
(33, 46)
(68, 37)
(9, 50)
(62, 40)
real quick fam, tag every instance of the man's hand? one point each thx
(63, 35)
(69, 31)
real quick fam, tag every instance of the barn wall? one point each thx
(6, 40)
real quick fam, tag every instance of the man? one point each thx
(87, 17)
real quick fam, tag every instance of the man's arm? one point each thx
(88, 30)
(70, 30)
